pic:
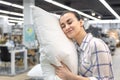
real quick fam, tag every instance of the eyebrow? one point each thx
(66, 21)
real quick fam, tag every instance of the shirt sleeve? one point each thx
(101, 62)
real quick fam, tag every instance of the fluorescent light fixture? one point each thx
(103, 21)
(11, 4)
(18, 6)
(11, 24)
(6, 3)
(14, 18)
(110, 9)
(3, 16)
(71, 9)
(15, 21)
(18, 14)
(12, 13)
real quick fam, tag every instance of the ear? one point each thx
(81, 22)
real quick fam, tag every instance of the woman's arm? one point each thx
(65, 74)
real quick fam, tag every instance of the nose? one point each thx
(67, 27)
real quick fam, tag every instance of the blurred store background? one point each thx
(102, 19)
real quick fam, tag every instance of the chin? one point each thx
(70, 36)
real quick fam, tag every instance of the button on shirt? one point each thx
(94, 59)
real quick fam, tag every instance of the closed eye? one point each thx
(62, 26)
(69, 21)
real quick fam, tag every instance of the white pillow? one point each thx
(54, 45)
(36, 71)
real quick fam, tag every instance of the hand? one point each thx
(65, 74)
(63, 71)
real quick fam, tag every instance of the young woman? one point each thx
(94, 58)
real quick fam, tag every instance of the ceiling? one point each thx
(86, 6)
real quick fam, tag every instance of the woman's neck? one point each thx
(79, 38)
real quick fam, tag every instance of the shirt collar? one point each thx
(85, 42)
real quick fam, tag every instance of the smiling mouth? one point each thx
(70, 30)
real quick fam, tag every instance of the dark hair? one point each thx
(75, 13)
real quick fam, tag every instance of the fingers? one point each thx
(65, 66)
(57, 67)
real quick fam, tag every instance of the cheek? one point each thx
(64, 31)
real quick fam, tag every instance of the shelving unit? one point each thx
(17, 30)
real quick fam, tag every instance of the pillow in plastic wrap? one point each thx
(54, 45)
(36, 72)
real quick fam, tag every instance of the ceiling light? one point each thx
(71, 9)
(6, 3)
(11, 18)
(18, 6)
(11, 4)
(3, 16)
(85, 19)
(110, 9)
(103, 21)
(11, 23)
(99, 17)
(14, 18)
(15, 21)
(93, 13)
(12, 13)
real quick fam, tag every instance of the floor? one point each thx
(116, 64)
(116, 67)
(17, 77)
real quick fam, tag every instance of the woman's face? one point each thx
(70, 25)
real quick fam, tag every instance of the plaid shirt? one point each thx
(94, 59)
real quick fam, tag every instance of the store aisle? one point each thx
(116, 67)
(116, 64)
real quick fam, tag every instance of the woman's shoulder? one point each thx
(97, 42)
